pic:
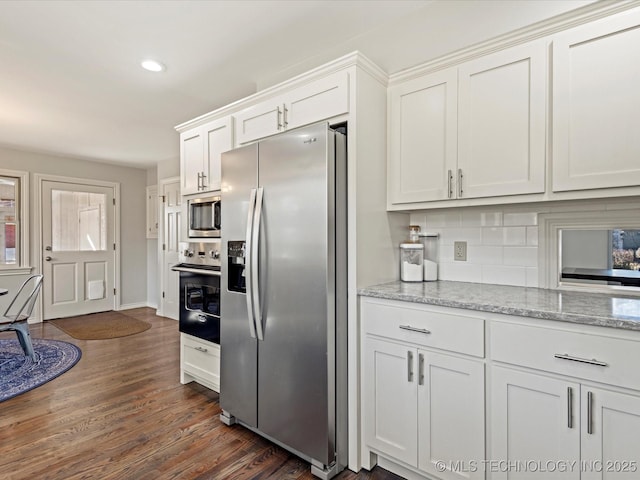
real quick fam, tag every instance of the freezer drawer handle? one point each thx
(414, 329)
(593, 361)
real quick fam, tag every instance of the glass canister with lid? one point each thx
(412, 257)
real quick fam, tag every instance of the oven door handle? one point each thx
(248, 265)
(197, 270)
(255, 271)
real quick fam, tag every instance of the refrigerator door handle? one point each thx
(255, 278)
(248, 263)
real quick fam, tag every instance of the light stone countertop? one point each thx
(617, 311)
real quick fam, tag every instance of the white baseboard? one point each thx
(129, 306)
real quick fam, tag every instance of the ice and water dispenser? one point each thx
(235, 264)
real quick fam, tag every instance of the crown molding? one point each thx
(580, 16)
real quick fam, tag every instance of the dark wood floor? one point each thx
(121, 413)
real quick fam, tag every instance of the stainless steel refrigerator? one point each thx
(283, 333)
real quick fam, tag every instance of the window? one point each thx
(591, 249)
(13, 224)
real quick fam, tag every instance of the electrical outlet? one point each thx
(460, 251)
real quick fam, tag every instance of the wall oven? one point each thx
(204, 217)
(200, 291)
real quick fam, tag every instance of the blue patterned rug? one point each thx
(19, 374)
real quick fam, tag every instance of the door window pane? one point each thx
(9, 230)
(78, 221)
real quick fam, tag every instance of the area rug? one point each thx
(19, 374)
(100, 326)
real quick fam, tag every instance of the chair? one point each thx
(18, 312)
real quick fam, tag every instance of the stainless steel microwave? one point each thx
(204, 217)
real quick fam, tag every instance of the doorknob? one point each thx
(48, 259)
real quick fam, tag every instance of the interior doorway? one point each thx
(170, 228)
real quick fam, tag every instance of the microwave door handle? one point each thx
(248, 266)
(255, 271)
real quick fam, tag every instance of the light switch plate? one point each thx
(460, 251)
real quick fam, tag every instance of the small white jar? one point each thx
(411, 262)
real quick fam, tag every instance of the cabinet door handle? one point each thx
(460, 191)
(569, 407)
(593, 361)
(420, 369)
(202, 349)
(203, 176)
(409, 366)
(279, 119)
(414, 329)
(285, 121)
(590, 413)
(449, 184)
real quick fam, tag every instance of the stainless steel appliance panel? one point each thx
(238, 365)
(294, 404)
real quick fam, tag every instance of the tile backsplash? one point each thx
(502, 241)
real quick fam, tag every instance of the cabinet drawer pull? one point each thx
(590, 413)
(593, 361)
(414, 329)
(569, 407)
(201, 349)
(410, 366)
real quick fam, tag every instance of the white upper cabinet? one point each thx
(200, 151)
(501, 123)
(423, 138)
(476, 130)
(321, 99)
(596, 94)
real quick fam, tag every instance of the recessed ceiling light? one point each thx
(153, 66)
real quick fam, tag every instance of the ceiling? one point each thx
(71, 83)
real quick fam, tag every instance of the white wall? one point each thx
(502, 241)
(152, 253)
(133, 253)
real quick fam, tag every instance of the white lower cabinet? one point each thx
(549, 428)
(548, 415)
(199, 362)
(422, 407)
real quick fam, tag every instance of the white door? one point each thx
(610, 435)
(172, 218)
(450, 416)
(390, 391)
(534, 418)
(78, 248)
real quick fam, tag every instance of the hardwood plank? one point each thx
(121, 413)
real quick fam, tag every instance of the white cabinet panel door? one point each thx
(218, 137)
(390, 389)
(191, 160)
(322, 99)
(450, 416)
(172, 227)
(534, 418)
(610, 435)
(422, 138)
(501, 123)
(596, 118)
(260, 120)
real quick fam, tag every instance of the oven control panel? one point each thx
(200, 253)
